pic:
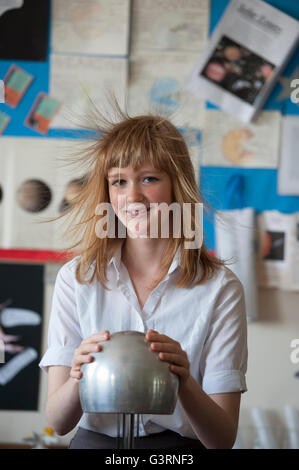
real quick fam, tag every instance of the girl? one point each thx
(189, 304)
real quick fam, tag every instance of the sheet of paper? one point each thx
(228, 142)
(76, 79)
(249, 48)
(156, 85)
(90, 27)
(278, 257)
(235, 241)
(35, 183)
(288, 175)
(169, 25)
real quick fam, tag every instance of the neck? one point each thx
(144, 255)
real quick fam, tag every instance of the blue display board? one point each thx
(259, 186)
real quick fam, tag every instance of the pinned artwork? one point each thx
(42, 113)
(4, 120)
(228, 142)
(278, 256)
(36, 186)
(16, 81)
(20, 332)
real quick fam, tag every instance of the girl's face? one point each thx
(132, 192)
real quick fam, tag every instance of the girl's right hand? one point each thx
(81, 354)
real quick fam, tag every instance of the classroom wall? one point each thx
(271, 375)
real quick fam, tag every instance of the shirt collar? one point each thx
(116, 259)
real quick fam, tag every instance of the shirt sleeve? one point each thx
(223, 362)
(64, 333)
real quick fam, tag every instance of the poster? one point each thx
(21, 312)
(91, 27)
(228, 142)
(278, 256)
(80, 82)
(171, 25)
(37, 184)
(247, 52)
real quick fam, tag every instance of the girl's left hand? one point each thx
(170, 351)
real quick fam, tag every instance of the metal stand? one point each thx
(126, 441)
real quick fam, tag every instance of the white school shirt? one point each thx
(209, 321)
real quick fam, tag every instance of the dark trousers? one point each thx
(85, 439)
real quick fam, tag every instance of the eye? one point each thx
(116, 182)
(152, 178)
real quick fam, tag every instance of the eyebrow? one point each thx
(116, 175)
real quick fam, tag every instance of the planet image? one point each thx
(33, 195)
(232, 53)
(215, 71)
(266, 71)
(232, 146)
(71, 191)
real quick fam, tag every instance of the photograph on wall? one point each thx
(21, 312)
(238, 70)
(247, 52)
(278, 253)
(273, 247)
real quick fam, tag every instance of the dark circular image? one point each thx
(1, 193)
(71, 191)
(34, 195)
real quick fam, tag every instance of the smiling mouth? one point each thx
(138, 213)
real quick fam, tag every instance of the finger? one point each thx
(81, 359)
(88, 348)
(154, 336)
(178, 370)
(104, 335)
(174, 359)
(166, 347)
(76, 374)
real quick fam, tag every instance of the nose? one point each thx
(134, 193)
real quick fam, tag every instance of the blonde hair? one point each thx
(131, 141)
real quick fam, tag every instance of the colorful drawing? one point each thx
(43, 111)
(17, 82)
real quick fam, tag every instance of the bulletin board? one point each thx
(253, 187)
(259, 185)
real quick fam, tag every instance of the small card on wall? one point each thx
(17, 82)
(42, 112)
(4, 120)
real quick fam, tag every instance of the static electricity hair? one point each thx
(120, 142)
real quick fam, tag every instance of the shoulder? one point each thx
(223, 288)
(67, 271)
(222, 278)
(67, 274)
